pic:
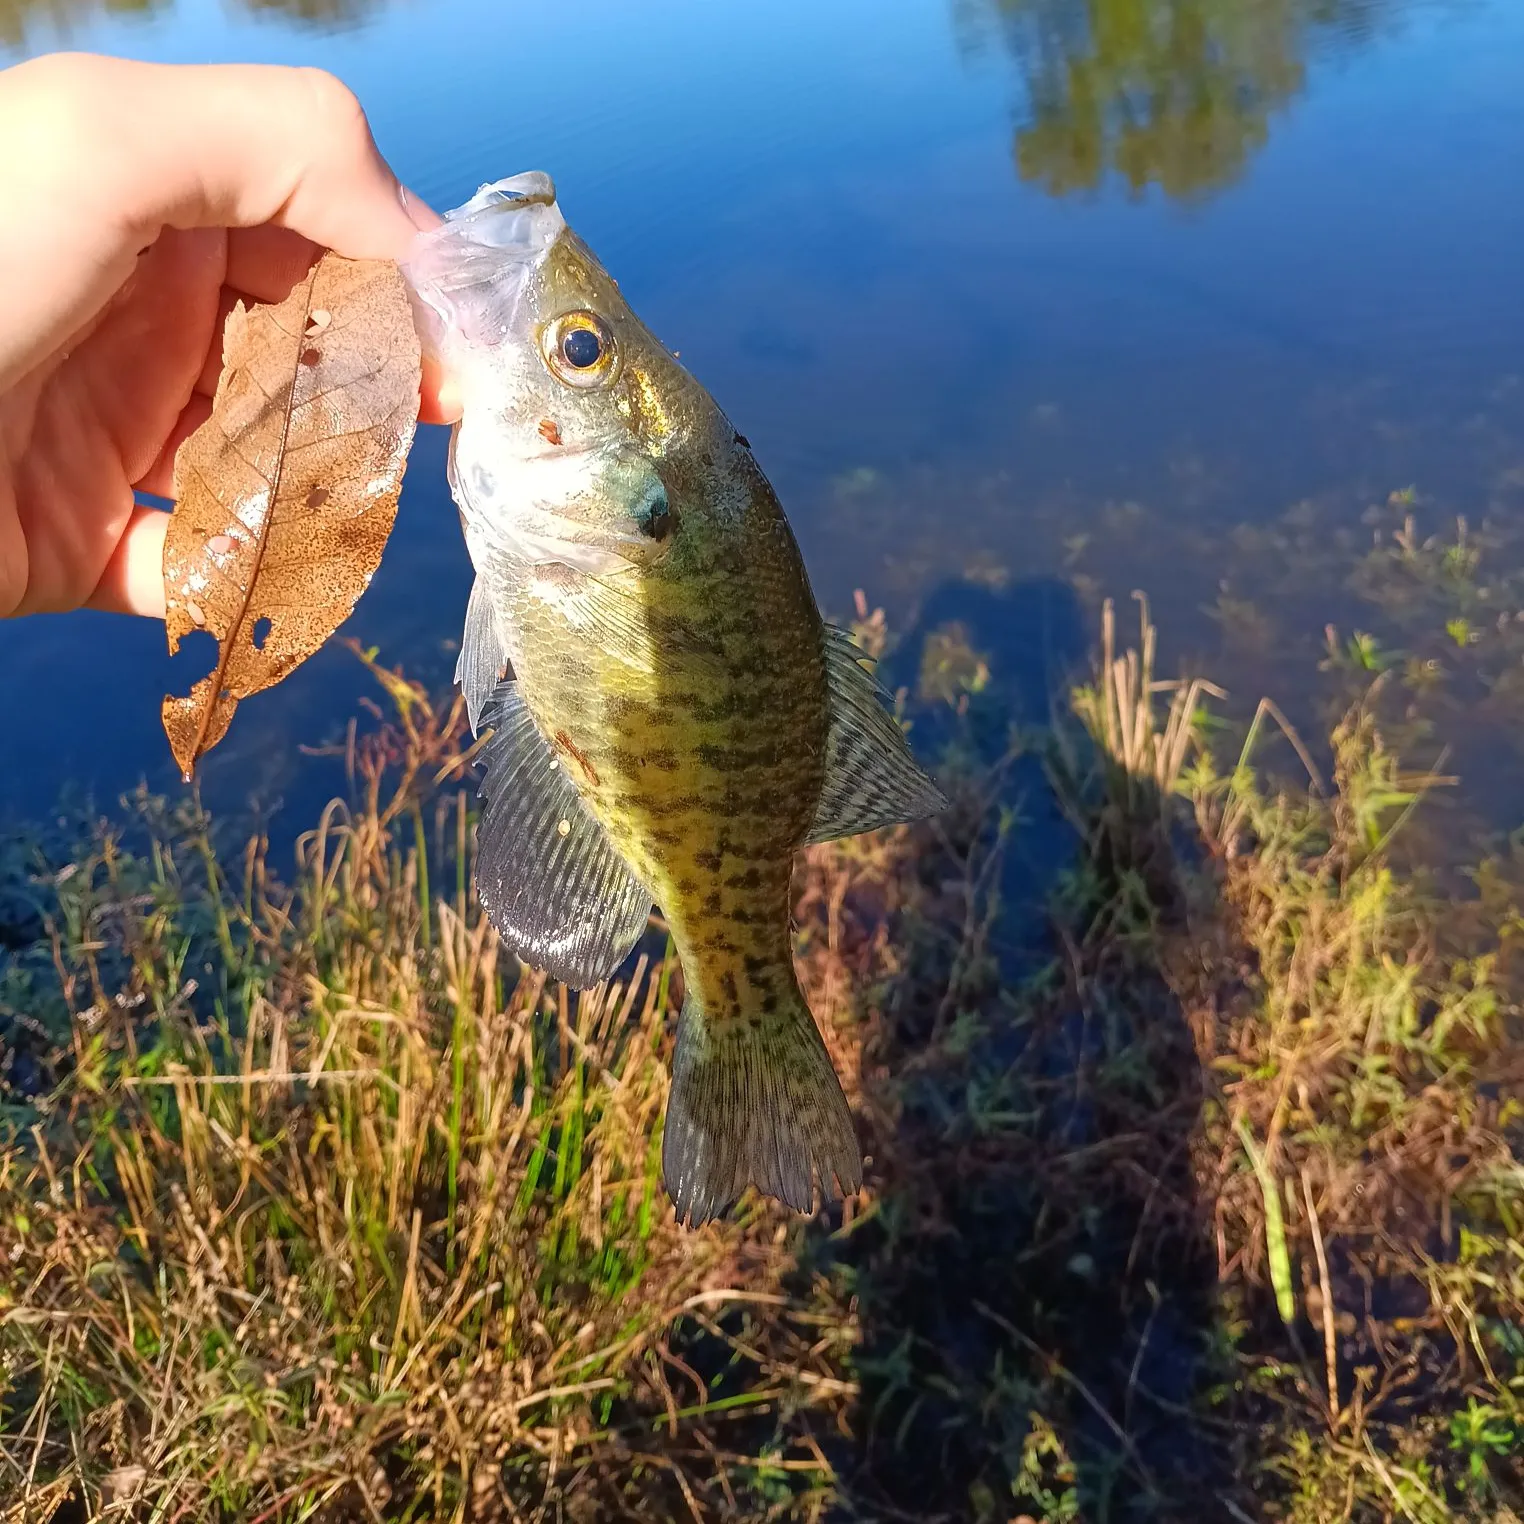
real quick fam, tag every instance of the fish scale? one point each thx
(670, 718)
(685, 828)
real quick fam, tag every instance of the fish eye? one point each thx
(580, 350)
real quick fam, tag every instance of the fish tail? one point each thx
(755, 1101)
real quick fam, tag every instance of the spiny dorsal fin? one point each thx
(483, 659)
(557, 892)
(871, 779)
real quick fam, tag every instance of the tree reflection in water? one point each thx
(35, 26)
(1178, 94)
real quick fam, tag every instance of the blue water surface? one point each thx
(986, 283)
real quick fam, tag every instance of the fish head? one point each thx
(579, 428)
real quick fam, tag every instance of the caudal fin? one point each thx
(755, 1101)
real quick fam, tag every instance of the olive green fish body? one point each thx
(671, 718)
(703, 764)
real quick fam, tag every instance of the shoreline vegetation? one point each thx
(313, 1206)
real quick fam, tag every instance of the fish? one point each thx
(668, 717)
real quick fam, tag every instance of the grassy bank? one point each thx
(312, 1205)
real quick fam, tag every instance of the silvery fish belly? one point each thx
(670, 718)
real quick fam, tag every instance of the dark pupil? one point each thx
(581, 348)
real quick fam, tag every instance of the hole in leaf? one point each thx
(261, 633)
(199, 649)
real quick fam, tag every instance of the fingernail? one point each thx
(419, 213)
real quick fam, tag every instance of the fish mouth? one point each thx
(563, 453)
(472, 269)
(504, 215)
(516, 217)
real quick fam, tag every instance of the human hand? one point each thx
(141, 201)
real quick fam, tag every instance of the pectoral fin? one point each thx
(547, 876)
(871, 779)
(610, 613)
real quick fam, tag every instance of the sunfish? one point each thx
(671, 718)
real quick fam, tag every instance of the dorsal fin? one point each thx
(547, 876)
(871, 779)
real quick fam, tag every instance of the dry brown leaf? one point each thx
(285, 496)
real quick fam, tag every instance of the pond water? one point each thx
(1020, 302)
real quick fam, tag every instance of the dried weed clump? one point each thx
(329, 1210)
(1357, 1148)
(315, 1205)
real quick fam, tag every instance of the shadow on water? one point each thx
(1063, 1284)
(986, 667)
(1037, 1282)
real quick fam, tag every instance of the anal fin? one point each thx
(546, 874)
(483, 661)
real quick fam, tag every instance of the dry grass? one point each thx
(336, 1214)
(1358, 1143)
(324, 1209)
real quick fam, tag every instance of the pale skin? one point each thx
(140, 202)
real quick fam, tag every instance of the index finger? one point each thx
(104, 153)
